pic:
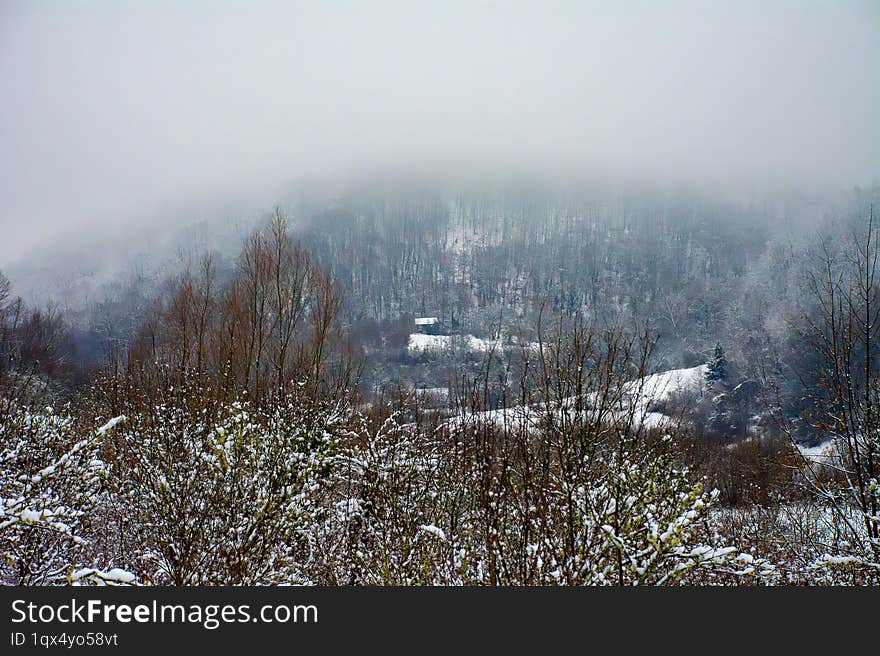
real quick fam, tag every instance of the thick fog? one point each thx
(111, 112)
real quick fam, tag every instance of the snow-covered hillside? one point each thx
(644, 397)
(652, 391)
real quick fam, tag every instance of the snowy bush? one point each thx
(379, 525)
(51, 479)
(425, 507)
(223, 495)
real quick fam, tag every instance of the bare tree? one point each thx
(845, 334)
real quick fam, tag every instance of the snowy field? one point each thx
(421, 343)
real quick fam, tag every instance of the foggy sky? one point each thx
(111, 111)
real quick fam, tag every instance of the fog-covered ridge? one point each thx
(111, 114)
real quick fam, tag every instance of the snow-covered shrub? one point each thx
(51, 479)
(851, 548)
(388, 493)
(223, 495)
(628, 522)
(419, 506)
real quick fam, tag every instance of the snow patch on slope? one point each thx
(823, 454)
(658, 388)
(421, 343)
(643, 397)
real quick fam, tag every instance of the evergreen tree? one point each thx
(717, 365)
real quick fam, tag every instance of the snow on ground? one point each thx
(660, 387)
(440, 392)
(642, 396)
(419, 342)
(823, 453)
(432, 397)
(422, 343)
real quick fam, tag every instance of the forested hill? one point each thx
(695, 271)
(500, 261)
